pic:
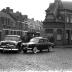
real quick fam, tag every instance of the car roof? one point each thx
(40, 37)
(13, 35)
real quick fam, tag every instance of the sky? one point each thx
(33, 8)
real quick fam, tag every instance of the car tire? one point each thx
(3, 51)
(40, 50)
(19, 46)
(35, 50)
(25, 51)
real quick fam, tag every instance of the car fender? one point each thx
(33, 45)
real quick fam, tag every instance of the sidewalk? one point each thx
(63, 46)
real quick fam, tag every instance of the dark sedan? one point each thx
(37, 44)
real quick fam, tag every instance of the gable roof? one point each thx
(51, 6)
(2, 14)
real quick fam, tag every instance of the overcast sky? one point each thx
(33, 8)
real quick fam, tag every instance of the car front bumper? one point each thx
(6, 49)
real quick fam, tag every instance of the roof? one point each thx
(51, 6)
(67, 5)
(2, 14)
(62, 5)
(38, 37)
(13, 15)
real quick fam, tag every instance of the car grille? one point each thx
(24, 46)
(7, 46)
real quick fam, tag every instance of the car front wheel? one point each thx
(35, 50)
(25, 51)
(50, 49)
(40, 50)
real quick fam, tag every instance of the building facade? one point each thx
(58, 22)
(11, 23)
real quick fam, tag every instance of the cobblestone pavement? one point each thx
(59, 59)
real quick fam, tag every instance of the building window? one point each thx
(11, 32)
(67, 19)
(18, 33)
(6, 32)
(50, 17)
(59, 31)
(2, 20)
(14, 32)
(49, 30)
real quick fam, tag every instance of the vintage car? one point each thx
(10, 43)
(37, 44)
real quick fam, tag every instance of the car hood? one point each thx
(28, 43)
(9, 41)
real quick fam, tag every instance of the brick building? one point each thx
(11, 23)
(58, 22)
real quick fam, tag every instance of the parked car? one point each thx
(10, 43)
(37, 44)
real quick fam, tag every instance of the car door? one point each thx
(45, 44)
(41, 44)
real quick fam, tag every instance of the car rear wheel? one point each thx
(35, 50)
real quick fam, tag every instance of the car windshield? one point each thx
(36, 40)
(5, 43)
(12, 38)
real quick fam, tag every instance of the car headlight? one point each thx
(0, 43)
(12, 46)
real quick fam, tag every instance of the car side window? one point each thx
(41, 41)
(45, 41)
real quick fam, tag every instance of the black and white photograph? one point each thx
(35, 36)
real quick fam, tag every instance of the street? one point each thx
(58, 59)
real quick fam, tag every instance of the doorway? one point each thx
(67, 37)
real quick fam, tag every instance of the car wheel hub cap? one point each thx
(50, 48)
(35, 50)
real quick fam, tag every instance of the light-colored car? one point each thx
(10, 43)
(37, 44)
